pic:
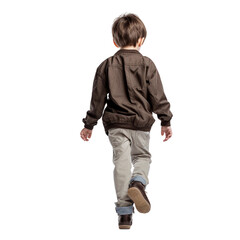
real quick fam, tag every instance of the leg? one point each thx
(141, 157)
(122, 170)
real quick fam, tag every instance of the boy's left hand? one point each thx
(85, 134)
(167, 131)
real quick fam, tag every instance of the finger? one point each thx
(81, 135)
(167, 137)
(84, 137)
(162, 132)
(170, 134)
(89, 134)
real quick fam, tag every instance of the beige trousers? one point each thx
(130, 148)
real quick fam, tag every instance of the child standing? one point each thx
(130, 84)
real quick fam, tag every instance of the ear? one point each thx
(115, 44)
(140, 42)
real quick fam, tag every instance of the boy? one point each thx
(131, 86)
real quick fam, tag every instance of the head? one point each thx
(128, 31)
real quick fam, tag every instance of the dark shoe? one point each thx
(136, 192)
(125, 221)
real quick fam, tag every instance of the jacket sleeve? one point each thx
(98, 101)
(157, 97)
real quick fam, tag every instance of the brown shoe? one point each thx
(125, 221)
(136, 192)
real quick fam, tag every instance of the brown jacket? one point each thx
(131, 86)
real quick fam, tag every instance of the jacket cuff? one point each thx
(88, 127)
(165, 123)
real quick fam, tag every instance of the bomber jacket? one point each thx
(130, 84)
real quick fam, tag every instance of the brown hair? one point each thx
(127, 29)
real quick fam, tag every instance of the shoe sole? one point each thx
(124, 226)
(140, 202)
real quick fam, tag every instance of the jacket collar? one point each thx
(127, 51)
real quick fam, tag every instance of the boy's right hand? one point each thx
(168, 132)
(85, 134)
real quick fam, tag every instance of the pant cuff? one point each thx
(139, 179)
(125, 210)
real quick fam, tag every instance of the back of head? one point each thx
(127, 29)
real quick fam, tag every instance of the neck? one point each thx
(135, 48)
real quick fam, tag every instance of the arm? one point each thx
(98, 101)
(157, 97)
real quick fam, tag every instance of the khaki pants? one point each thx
(130, 148)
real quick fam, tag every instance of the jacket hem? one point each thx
(127, 126)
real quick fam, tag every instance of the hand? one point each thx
(168, 132)
(85, 133)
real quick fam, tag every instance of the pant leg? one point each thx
(141, 157)
(122, 170)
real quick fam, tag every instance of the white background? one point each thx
(54, 185)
